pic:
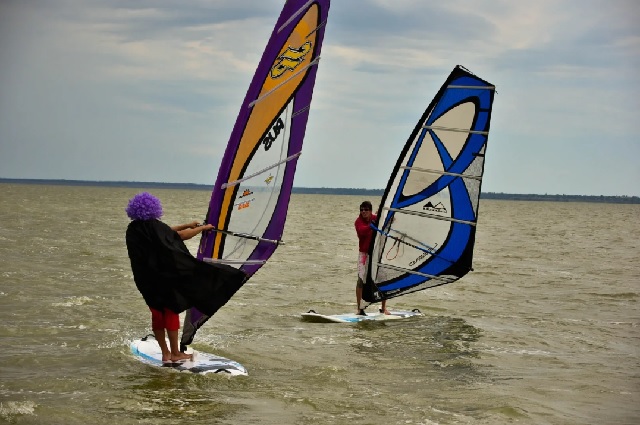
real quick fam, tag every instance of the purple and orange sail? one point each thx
(250, 198)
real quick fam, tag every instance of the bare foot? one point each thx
(387, 312)
(166, 357)
(181, 356)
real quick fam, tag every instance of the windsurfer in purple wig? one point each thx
(169, 278)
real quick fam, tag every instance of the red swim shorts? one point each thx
(166, 319)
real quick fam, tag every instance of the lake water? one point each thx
(546, 330)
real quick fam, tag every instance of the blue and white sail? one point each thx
(427, 218)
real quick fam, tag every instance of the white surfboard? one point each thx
(312, 316)
(147, 350)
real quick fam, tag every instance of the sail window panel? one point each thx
(385, 275)
(427, 157)
(473, 188)
(458, 118)
(473, 184)
(237, 250)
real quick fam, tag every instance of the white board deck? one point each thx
(312, 316)
(147, 350)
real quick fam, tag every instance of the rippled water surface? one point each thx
(544, 331)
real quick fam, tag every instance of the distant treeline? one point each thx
(562, 198)
(338, 191)
(331, 190)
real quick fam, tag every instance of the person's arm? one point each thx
(180, 227)
(189, 230)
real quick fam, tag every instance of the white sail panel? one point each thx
(257, 194)
(458, 118)
(426, 157)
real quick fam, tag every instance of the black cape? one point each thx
(168, 276)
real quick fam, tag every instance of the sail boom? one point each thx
(248, 236)
(257, 173)
(426, 215)
(441, 173)
(457, 130)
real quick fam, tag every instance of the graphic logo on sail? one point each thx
(246, 192)
(435, 208)
(423, 255)
(272, 134)
(245, 204)
(268, 179)
(290, 59)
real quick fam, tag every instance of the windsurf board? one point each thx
(312, 316)
(147, 350)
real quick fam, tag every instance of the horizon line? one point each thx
(133, 183)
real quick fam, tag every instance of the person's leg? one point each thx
(359, 287)
(157, 326)
(383, 308)
(172, 323)
(363, 259)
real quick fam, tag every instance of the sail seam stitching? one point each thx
(418, 213)
(295, 15)
(472, 87)
(441, 173)
(459, 130)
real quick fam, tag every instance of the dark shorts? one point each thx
(166, 319)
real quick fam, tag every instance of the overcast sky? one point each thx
(149, 90)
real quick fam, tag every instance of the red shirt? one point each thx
(365, 232)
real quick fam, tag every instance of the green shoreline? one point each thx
(331, 191)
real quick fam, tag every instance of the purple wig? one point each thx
(144, 206)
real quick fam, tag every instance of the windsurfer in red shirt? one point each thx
(365, 234)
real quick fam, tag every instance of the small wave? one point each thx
(74, 301)
(530, 352)
(319, 340)
(621, 295)
(632, 324)
(10, 409)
